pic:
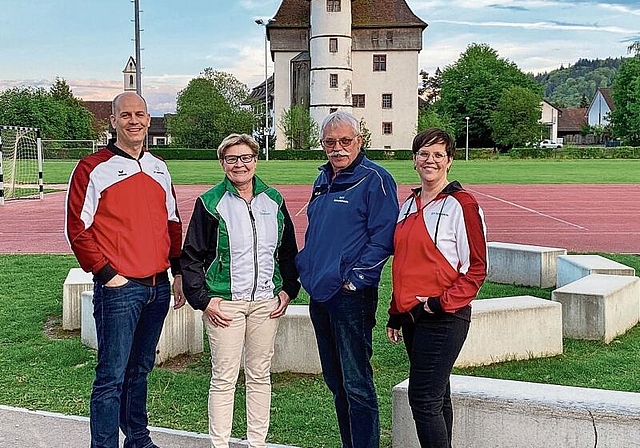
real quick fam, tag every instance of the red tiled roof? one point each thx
(572, 120)
(364, 13)
(606, 93)
(101, 110)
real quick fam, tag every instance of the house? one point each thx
(357, 56)
(600, 108)
(549, 119)
(256, 101)
(101, 111)
(571, 123)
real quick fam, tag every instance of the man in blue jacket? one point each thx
(352, 215)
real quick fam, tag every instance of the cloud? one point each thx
(620, 8)
(543, 26)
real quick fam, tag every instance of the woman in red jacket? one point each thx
(439, 264)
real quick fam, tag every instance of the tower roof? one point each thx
(364, 14)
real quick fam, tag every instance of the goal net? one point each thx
(20, 163)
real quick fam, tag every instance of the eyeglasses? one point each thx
(423, 156)
(244, 158)
(331, 143)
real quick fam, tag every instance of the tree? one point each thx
(625, 119)
(57, 113)
(429, 118)
(208, 109)
(366, 135)
(430, 86)
(301, 130)
(584, 102)
(472, 86)
(516, 120)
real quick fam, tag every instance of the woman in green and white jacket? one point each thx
(238, 265)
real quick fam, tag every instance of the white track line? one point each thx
(529, 209)
(304, 207)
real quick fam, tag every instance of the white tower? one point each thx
(330, 51)
(129, 73)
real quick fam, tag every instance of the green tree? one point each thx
(429, 118)
(472, 86)
(516, 120)
(429, 89)
(625, 119)
(584, 102)
(56, 112)
(366, 135)
(208, 109)
(301, 131)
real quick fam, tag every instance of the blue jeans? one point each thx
(433, 344)
(343, 327)
(129, 321)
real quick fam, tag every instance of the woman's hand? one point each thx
(283, 303)
(394, 335)
(426, 305)
(215, 316)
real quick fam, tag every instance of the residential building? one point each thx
(549, 119)
(598, 113)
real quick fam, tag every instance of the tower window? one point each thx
(379, 62)
(333, 81)
(387, 127)
(358, 100)
(389, 37)
(333, 5)
(387, 100)
(333, 45)
(130, 80)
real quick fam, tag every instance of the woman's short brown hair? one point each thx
(432, 136)
(237, 139)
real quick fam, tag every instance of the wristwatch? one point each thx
(348, 286)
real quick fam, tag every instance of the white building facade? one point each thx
(359, 56)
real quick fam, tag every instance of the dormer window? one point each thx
(333, 5)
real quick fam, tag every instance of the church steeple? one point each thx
(130, 75)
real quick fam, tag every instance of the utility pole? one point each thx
(136, 6)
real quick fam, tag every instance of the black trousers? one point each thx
(433, 344)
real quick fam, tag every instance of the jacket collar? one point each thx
(258, 186)
(111, 146)
(449, 189)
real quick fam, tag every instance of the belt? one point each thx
(152, 280)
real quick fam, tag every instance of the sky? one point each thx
(88, 42)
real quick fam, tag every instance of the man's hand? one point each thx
(178, 296)
(215, 315)
(394, 335)
(117, 280)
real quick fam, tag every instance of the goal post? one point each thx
(20, 163)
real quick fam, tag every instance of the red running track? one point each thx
(575, 217)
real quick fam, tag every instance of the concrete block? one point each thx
(573, 267)
(75, 284)
(511, 328)
(599, 306)
(182, 331)
(522, 264)
(491, 413)
(296, 349)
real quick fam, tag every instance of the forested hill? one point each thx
(568, 87)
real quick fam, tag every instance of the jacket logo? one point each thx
(121, 173)
(341, 199)
(157, 170)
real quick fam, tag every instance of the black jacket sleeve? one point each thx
(198, 253)
(286, 256)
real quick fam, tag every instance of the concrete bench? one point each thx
(182, 332)
(492, 413)
(573, 267)
(512, 328)
(522, 264)
(296, 349)
(599, 306)
(75, 284)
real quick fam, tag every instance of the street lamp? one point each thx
(466, 146)
(261, 22)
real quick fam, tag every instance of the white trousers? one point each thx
(254, 331)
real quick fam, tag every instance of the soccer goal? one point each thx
(20, 163)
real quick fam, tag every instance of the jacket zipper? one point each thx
(255, 252)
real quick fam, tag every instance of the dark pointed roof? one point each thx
(257, 93)
(606, 93)
(364, 13)
(572, 119)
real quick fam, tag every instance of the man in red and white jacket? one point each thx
(122, 224)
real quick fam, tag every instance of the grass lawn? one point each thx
(498, 171)
(46, 368)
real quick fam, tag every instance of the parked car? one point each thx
(550, 144)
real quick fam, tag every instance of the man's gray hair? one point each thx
(237, 139)
(338, 119)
